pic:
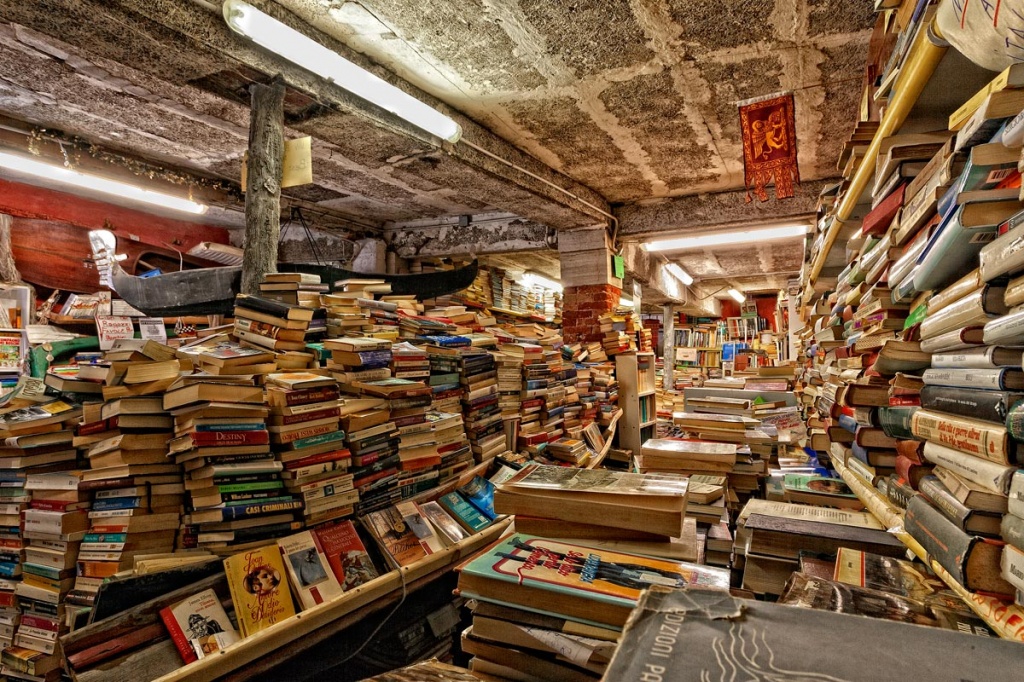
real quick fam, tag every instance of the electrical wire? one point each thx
(376, 630)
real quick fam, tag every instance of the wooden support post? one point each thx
(8, 269)
(263, 184)
(668, 346)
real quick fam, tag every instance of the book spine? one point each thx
(966, 435)
(895, 421)
(943, 540)
(262, 328)
(247, 510)
(1012, 565)
(263, 305)
(1005, 330)
(989, 406)
(320, 439)
(1015, 503)
(224, 438)
(1015, 418)
(991, 379)
(965, 359)
(944, 502)
(308, 432)
(989, 475)
(1012, 530)
(291, 419)
(309, 396)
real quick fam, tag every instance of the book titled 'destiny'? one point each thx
(699, 634)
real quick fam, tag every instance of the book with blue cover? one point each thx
(480, 493)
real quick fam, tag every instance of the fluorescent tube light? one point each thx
(67, 176)
(737, 296)
(752, 237)
(627, 302)
(680, 274)
(303, 51)
(531, 279)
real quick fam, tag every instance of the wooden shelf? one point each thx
(306, 623)
(1007, 620)
(643, 394)
(64, 320)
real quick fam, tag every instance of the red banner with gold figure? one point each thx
(769, 145)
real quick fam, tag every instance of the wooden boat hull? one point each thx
(212, 291)
(422, 285)
(206, 291)
(56, 255)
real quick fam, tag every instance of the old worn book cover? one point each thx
(810, 592)
(707, 635)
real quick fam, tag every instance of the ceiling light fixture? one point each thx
(626, 302)
(752, 236)
(96, 183)
(737, 296)
(680, 274)
(304, 52)
(531, 279)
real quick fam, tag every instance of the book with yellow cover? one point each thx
(259, 588)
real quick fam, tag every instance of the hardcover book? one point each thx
(259, 589)
(723, 634)
(199, 626)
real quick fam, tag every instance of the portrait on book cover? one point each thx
(768, 125)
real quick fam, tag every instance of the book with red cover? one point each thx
(225, 438)
(346, 554)
(910, 471)
(877, 221)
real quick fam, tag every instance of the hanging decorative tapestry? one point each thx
(769, 145)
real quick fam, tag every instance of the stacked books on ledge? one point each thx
(534, 593)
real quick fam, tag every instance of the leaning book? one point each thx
(259, 588)
(199, 626)
(700, 634)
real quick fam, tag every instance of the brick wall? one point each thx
(581, 308)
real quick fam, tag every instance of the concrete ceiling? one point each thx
(623, 103)
(633, 98)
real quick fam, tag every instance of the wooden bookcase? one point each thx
(635, 374)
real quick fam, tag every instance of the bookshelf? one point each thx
(635, 373)
(1005, 619)
(699, 346)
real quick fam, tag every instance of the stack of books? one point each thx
(449, 435)
(446, 390)
(409, 362)
(344, 315)
(383, 316)
(236, 495)
(272, 324)
(359, 359)
(615, 338)
(756, 446)
(381, 481)
(372, 440)
(305, 434)
(510, 383)
(632, 503)
(571, 450)
(770, 537)
(293, 288)
(535, 595)
(480, 409)
(232, 359)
